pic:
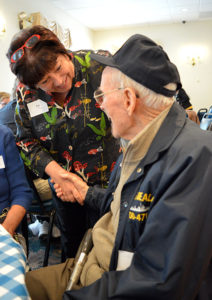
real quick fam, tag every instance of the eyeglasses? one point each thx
(99, 95)
(19, 53)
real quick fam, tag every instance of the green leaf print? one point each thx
(51, 120)
(54, 113)
(25, 159)
(103, 124)
(88, 59)
(96, 130)
(102, 131)
(85, 63)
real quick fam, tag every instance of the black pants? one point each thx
(73, 221)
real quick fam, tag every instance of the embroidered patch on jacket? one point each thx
(139, 211)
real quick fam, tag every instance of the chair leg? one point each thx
(47, 250)
(24, 230)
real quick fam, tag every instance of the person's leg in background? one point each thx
(39, 223)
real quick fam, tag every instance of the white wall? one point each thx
(81, 36)
(197, 80)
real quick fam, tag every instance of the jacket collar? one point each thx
(170, 129)
(166, 135)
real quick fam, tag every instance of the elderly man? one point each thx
(153, 237)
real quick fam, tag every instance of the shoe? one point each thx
(34, 227)
(43, 230)
(55, 232)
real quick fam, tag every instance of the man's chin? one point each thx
(115, 134)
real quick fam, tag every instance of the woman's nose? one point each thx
(58, 80)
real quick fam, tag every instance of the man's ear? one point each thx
(129, 100)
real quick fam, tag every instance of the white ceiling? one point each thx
(107, 14)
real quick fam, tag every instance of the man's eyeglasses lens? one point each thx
(99, 95)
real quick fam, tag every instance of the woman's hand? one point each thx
(69, 187)
(56, 172)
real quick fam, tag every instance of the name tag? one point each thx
(124, 260)
(2, 165)
(37, 107)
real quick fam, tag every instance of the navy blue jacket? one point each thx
(14, 188)
(165, 219)
(7, 115)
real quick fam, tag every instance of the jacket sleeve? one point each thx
(174, 251)
(99, 199)
(20, 192)
(33, 154)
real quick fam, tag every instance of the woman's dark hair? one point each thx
(38, 60)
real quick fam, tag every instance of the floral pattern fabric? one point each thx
(77, 135)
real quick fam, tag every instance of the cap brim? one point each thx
(104, 60)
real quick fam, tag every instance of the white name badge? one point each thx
(37, 107)
(2, 165)
(124, 260)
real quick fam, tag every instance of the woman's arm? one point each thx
(20, 194)
(14, 218)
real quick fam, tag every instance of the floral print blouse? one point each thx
(77, 135)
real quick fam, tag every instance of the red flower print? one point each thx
(89, 174)
(77, 166)
(84, 166)
(97, 105)
(67, 156)
(51, 103)
(112, 166)
(78, 84)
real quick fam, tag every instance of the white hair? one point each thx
(150, 98)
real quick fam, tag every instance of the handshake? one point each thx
(70, 187)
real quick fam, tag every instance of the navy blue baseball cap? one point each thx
(144, 61)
